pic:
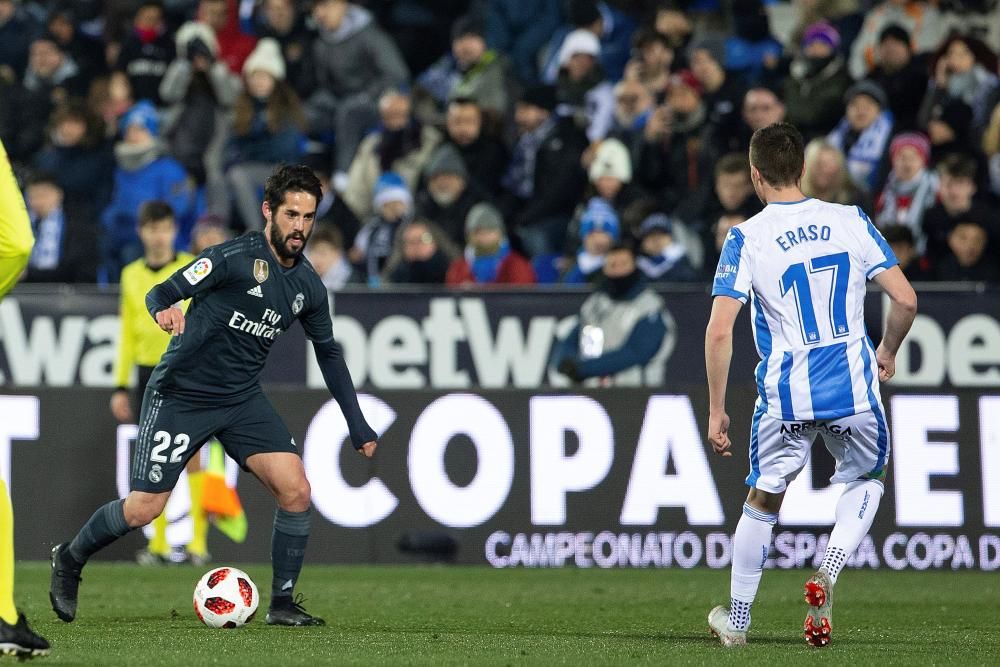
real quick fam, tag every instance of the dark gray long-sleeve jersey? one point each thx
(242, 299)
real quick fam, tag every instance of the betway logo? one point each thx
(265, 328)
(402, 352)
(967, 355)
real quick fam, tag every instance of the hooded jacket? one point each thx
(357, 58)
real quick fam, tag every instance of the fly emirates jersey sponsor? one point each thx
(804, 266)
(242, 300)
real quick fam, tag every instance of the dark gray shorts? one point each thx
(172, 430)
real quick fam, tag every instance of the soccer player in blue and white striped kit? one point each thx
(804, 265)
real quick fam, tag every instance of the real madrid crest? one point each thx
(298, 303)
(260, 270)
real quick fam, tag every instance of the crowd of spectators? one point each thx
(468, 142)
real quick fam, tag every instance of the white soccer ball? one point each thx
(225, 598)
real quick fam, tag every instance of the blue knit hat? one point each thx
(599, 217)
(657, 222)
(142, 113)
(391, 187)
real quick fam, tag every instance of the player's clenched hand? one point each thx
(171, 320)
(121, 407)
(718, 433)
(886, 364)
(368, 449)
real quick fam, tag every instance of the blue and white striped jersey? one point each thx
(804, 265)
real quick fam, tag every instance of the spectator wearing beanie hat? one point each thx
(393, 206)
(818, 79)
(448, 195)
(863, 134)
(268, 129)
(922, 20)
(144, 172)
(470, 70)
(286, 22)
(612, 27)
(662, 258)
(582, 85)
(902, 74)
(949, 130)
(599, 230)
(488, 258)
(610, 174)
(911, 189)
(611, 168)
(201, 92)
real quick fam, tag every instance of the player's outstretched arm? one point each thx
(718, 355)
(902, 310)
(330, 357)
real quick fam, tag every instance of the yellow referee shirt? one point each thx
(141, 342)
(16, 238)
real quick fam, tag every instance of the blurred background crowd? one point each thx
(468, 142)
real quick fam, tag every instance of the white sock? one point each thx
(855, 513)
(750, 546)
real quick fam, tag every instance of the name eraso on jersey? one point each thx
(265, 328)
(803, 235)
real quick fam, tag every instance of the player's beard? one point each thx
(280, 241)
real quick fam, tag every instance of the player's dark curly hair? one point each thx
(778, 153)
(290, 178)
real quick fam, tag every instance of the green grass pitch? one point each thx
(469, 615)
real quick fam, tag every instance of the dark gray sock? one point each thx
(104, 527)
(288, 550)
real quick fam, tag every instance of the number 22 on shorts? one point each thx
(163, 440)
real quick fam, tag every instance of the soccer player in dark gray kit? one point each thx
(243, 293)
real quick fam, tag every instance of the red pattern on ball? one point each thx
(219, 606)
(246, 591)
(218, 576)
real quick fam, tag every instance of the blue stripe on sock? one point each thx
(755, 513)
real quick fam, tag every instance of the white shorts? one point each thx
(858, 443)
